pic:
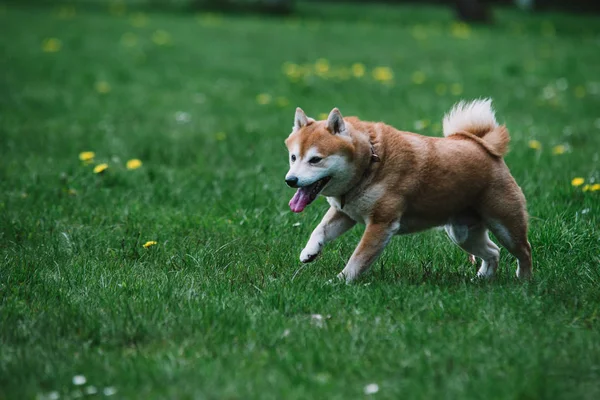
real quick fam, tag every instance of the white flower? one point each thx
(322, 377)
(317, 320)
(549, 92)
(296, 224)
(286, 333)
(91, 390)
(593, 87)
(371, 388)
(182, 117)
(419, 125)
(562, 84)
(109, 390)
(79, 380)
(54, 395)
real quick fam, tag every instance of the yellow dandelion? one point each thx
(220, 136)
(579, 92)
(577, 181)
(291, 69)
(102, 87)
(263, 98)
(418, 77)
(117, 7)
(383, 74)
(595, 187)
(129, 39)
(98, 169)
(535, 144)
(87, 155)
(139, 20)
(358, 70)
(321, 67)
(282, 102)
(323, 116)
(51, 45)
(559, 149)
(456, 89)
(161, 37)
(134, 163)
(460, 30)
(149, 243)
(441, 89)
(586, 188)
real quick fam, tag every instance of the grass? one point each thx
(220, 307)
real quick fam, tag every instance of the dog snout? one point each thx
(292, 181)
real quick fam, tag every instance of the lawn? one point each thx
(220, 306)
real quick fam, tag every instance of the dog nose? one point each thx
(292, 181)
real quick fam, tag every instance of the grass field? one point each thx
(220, 306)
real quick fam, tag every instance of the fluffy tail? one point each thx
(476, 119)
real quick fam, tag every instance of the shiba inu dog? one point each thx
(399, 182)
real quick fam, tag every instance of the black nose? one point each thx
(292, 181)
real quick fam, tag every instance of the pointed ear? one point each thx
(300, 120)
(335, 122)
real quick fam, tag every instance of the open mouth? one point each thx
(307, 194)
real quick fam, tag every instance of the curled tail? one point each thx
(476, 120)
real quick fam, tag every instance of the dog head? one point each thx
(320, 156)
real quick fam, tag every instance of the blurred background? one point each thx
(145, 236)
(468, 9)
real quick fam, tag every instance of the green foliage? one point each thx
(220, 307)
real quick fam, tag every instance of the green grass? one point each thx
(221, 307)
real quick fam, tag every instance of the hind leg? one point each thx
(475, 240)
(504, 214)
(513, 236)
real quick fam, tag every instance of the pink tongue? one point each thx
(300, 200)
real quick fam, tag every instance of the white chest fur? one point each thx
(359, 206)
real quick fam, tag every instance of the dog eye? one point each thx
(293, 158)
(315, 160)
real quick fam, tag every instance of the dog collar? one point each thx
(374, 159)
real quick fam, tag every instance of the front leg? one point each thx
(333, 224)
(374, 240)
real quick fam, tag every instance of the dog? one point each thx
(398, 182)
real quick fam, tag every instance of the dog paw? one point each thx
(345, 277)
(307, 256)
(310, 252)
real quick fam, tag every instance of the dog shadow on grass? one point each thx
(426, 274)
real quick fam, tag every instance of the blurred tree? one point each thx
(473, 11)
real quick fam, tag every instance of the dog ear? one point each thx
(300, 119)
(335, 122)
